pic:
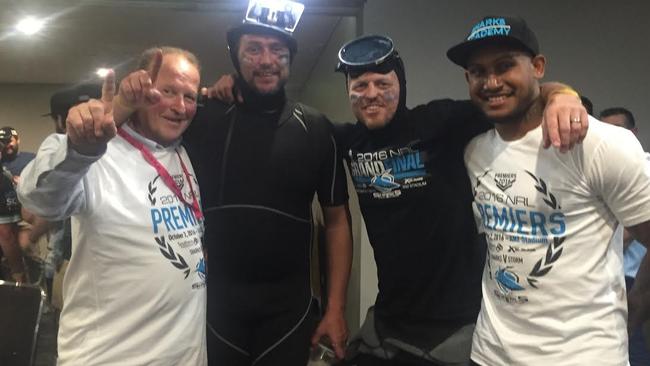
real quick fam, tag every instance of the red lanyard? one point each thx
(164, 174)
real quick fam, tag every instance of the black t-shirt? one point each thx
(9, 205)
(258, 173)
(415, 198)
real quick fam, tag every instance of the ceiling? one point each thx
(81, 36)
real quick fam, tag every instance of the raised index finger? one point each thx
(155, 65)
(108, 91)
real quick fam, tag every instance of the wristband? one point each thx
(565, 90)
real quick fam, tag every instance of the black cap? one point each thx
(63, 100)
(6, 133)
(510, 30)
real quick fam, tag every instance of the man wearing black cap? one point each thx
(63, 100)
(262, 160)
(13, 159)
(553, 288)
(10, 252)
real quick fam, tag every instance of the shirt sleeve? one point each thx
(51, 185)
(618, 172)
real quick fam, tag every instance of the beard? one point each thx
(9, 156)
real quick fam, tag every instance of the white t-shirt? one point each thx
(134, 291)
(553, 287)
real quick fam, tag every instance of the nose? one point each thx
(492, 81)
(178, 104)
(372, 91)
(266, 57)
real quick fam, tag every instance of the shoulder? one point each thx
(310, 112)
(602, 135)
(483, 142)
(211, 109)
(445, 107)
(54, 141)
(315, 121)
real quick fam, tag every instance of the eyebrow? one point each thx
(507, 55)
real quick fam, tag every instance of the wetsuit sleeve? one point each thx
(332, 185)
(51, 185)
(458, 119)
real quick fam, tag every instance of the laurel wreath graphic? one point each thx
(554, 251)
(543, 189)
(545, 264)
(176, 260)
(478, 181)
(152, 190)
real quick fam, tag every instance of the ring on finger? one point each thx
(575, 119)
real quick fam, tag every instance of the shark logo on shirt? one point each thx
(384, 182)
(507, 281)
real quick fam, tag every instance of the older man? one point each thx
(134, 291)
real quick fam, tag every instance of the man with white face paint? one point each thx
(408, 171)
(261, 161)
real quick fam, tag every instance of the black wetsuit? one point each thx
(416, 201)
(258, 173)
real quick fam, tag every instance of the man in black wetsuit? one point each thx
(408, 170)
(259, 164)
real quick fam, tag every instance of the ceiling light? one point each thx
(102, 72)
(30, 25)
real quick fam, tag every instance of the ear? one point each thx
(539, 65)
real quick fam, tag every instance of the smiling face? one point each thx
(503, 81)
(263, 62)
(374, 98)
(178, 83)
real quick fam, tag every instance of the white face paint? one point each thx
(374, 98)
(263, 62)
